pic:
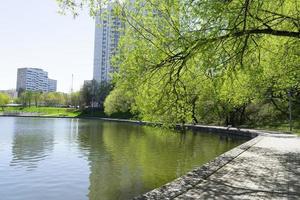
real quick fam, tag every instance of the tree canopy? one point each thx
(4, 99)
(205, 60)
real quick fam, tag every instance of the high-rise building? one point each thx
(107, 34)
(34, 79)
(52, 85)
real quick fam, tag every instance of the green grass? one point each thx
(281, 126)
(65, 112)
(46, 111)
(73, 112)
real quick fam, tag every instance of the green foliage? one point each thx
(94, 93)
(117, 101)
(4, 99)
(207, 61)
(45, 111)
(75, 99)
(210, 65)
(54, 99)
(37, 98)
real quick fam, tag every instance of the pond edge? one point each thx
(182, 184)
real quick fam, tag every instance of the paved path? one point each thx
(267, 169)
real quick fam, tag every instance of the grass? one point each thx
(73, 112)
(65, 112)
(281, 126)
(46, 111)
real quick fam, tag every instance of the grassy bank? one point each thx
(282, 127)
(64, 112)
(44, 111)
(73, 112)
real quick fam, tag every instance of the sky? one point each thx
(33, 34)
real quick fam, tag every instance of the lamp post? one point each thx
(290, 110)
(93, 96)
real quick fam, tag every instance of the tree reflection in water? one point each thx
(127, 160)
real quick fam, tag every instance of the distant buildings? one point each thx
(12, 93)
(107, 35)
(34, 79)
(52, 85)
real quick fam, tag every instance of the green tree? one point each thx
(37, 97)
(88, 93)
(26, 98)
(4, 99)
(102, 92)
(94, 93)
(54, 99)
(195, 61)
(75, 99)
(117, 101)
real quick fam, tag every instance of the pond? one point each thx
(91, 159)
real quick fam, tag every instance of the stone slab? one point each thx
(266, 167)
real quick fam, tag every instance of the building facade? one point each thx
(35, 79)
(107, 34)
(52, 85)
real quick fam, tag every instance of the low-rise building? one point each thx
(35, 79)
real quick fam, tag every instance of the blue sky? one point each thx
(33, 34)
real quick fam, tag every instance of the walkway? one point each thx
(267, 167)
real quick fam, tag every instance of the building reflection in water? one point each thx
(33, 141)
(93, 159)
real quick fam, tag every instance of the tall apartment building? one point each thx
(107, 34)
(34, 79)
(52, 85)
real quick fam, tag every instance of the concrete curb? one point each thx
(184, 183)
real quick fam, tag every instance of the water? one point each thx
(90, 159)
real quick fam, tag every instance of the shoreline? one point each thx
(239, 172)
(244, 132)
(184, 183)
(231, 131)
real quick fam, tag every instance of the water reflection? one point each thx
(31, 144)
(91, 159)
(100, 161)
(127, 160)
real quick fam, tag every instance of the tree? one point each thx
(37, 96)
(189, 61)
(102, 92)
(54, 99)
(94, 93)
(117, 101)
(75, 99)
(26, 98)
(4, 99)
(88, 92)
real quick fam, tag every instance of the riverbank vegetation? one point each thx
(92, 94)
(210, 62)
(4, 99)
(43, 111)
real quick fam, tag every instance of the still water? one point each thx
(63, 159)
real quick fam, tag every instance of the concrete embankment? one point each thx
(266, 167)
